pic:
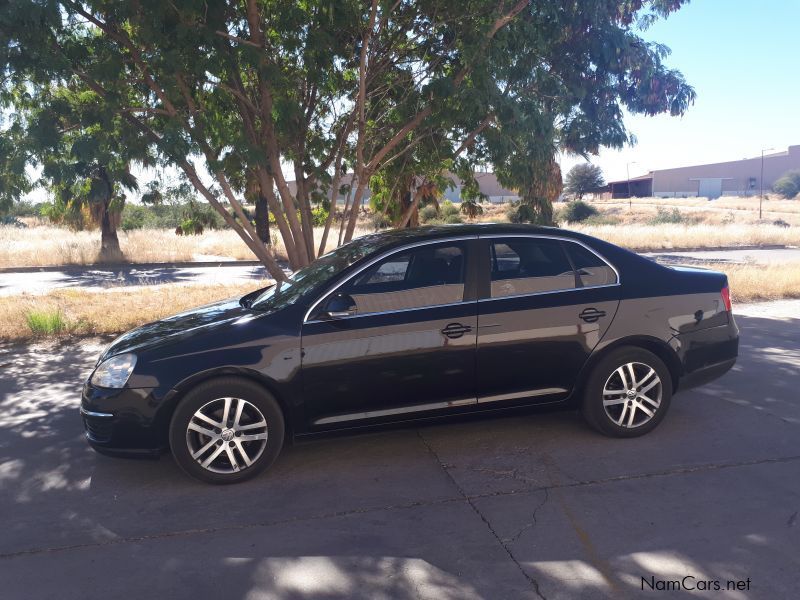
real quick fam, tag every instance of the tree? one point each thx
(788, 186)
(583, 179)
(324, 87)
(81, 156)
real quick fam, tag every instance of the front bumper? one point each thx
(124, 422)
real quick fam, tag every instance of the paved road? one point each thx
(757, 256)
(526, 506)
(96, 279)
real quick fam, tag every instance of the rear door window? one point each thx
(592, 270)
(529, 266)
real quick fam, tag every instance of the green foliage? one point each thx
(170, 216)
(25, 208)
(43, 322)
(788, 186)
(582, 179)
(448, 86)
(320, 215)
(577, 211)
(666, 216)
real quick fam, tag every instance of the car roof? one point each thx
(394, 237)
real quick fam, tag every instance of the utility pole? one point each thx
(628, 171)
(761, 181)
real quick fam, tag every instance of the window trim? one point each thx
(561, 239)
(380, 257)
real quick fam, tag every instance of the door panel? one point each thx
(534, 346)
(538, 322)
(391, 362)
(408, 347)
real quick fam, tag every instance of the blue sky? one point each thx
(741, 58)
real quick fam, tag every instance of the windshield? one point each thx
(317, 273)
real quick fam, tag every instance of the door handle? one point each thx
(456, 330)
(591, 315)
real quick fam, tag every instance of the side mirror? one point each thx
(340, 305)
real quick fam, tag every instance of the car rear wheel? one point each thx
(226, 430)
(628, 393)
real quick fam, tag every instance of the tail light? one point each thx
(726, 298)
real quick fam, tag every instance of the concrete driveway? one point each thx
(524, 506)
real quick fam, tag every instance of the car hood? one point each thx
(177, 327)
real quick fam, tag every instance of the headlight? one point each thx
(114, 372)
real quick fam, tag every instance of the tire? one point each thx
(222, 452)
(609, 405)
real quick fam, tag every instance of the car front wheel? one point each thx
(226, 430)
(628, 393)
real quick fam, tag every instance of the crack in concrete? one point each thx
(476, 510)
(462, 497)
(532, 523)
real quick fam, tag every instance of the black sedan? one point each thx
(413, 324)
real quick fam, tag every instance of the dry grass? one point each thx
(116, 310)
(674, 236)
(749, 283)
(111, 311)
(750, 203)
(48, 245)
(720, 223)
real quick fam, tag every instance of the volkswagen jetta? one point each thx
(411, 324)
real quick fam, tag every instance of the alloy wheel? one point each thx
(632, 395)
(226, 435)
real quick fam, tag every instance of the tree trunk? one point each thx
(262, 218)
(109, 242)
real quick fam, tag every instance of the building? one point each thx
(487, 182)
(733, 178)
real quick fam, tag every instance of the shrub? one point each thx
(449, 209)
(453, 219)
(666, 216)
(46, 322)
(788, 185)
(24, 208)
(577, 211)
(11, 221)
(427, 214)
(319, 214)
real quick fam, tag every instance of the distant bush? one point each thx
(10, 221)
(577, 211)
(169, 216)
(448, 213)
(788, 185)
(24, 208)
(449, 209)
(666, 216)
(427, 214)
